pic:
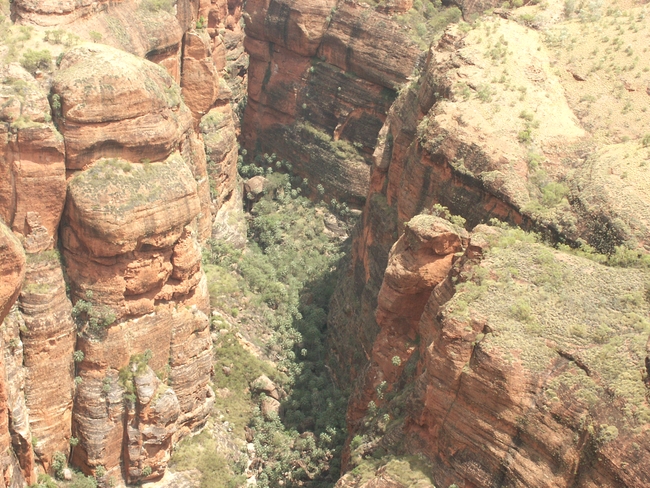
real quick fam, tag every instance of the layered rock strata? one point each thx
(31, 162)
(12, 272)
(510, 364)
(321, 79)
(129, 237)
(139, 199)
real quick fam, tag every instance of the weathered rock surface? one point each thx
(31, 161)
(200, 80)
(419, 261)
(219, 131)
(518, 400)
(48, 336)
(323, 113)
(513, 381)
(21, 435)
(55, 12)
(12, 273)
(139, 198)
(134, 112)
(12, 269)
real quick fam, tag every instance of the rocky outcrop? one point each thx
(12, 271)
(138, 201)
(509, 376)
(31, 162)
(532, 408)
(200, 80)
(134, 355)
(104, 115)
(419, 261)
(19, 418)
(55, 12)
(321, 79)
(442, 143)
(48, 336)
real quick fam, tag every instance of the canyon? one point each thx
(473, 180)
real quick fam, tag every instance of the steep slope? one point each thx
(524, 366)
(322, 77)
(492, 129)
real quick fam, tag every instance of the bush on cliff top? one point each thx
(34, 61)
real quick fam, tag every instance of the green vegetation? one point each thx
(60, 36)
(542, 302)
(286, 276)
(137, 366)
(130, 185)
(200, 452)
(427, 19)
(92, 318)
(33, 60)
(95, 36)
(411, 471)
(158, 5)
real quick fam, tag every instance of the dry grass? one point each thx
(538, 302)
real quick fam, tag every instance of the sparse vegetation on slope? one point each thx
(277, 291)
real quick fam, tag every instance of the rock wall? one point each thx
(498, 381)
(322, 77)
(482, 413)
(116, 155)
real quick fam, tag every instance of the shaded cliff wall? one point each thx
(322, 77)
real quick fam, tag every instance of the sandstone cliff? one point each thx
(133, 355)
(321, 79)
(491, 130)
(519, 368)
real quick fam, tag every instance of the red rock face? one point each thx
(55, 12)
(12, 270)
(200, 80)
(31, 162)
(493, 401)
(139, 199)
(49, 335)
(480, 418)
(419, 261)
(12, 273)
(321, 79)
(129, 236)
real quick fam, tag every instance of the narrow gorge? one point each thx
(324, 243)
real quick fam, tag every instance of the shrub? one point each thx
(92, 317)
(553, 193)
(36, 60)
(58, 464)
(158, 5)
(646, 140)
(521, 311)
(45, 481)
(81, 481)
